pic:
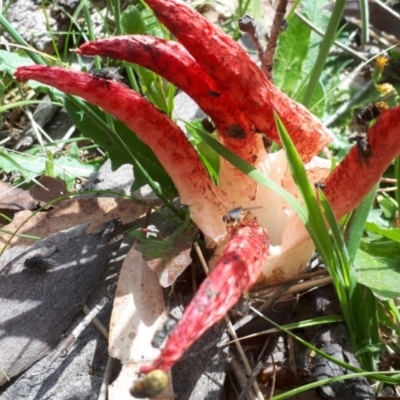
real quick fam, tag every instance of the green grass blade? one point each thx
(20, 40)
(252, 172)
(355, 226)
(314, 221)
(326, 44)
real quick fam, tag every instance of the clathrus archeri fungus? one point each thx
(218, 74)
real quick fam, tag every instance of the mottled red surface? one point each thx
(164, 137)
(236, 271)
(356, 175)
(236, 75)
(172, 61)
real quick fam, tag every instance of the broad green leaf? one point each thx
(122, 144)
(10, 61)
(66, 167)
(131, 21)
(380, 274)
(390, 233)
(296, 53)
(290, 56)
(381, 248)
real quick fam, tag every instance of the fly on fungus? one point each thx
(364, 149)
(371, 112)
(109, 73)
(237, 216)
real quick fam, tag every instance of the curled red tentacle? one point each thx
(236, 75)
(161, 134)
(172, 61)
(236, 271)
(356, 175)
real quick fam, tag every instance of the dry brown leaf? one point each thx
(51, 189)
(69, 213)
(170, 257)
(137, 314)
(13, 198)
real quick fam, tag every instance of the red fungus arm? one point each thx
(236, 271)
(356, 175)
(152, 126)
(172, 61)
(240, 78)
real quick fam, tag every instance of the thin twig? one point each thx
(388, 180)
(250, 381)
(273, 378)
(336, 43)
(387, 9)
(243, 356)
(248, 25)
(278, 26)
(95, 321)
(106, 379)
(300, 287)
(302, 277)
(390, 189)
(241, 378)
(346, 105)
(68, 341)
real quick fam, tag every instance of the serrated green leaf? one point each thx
(390, 233)
(66, 168)
(290, 55)
(296, 54)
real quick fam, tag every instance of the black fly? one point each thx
(207, 125)
(110, 74)
(39, 263)
(371, 112)
(319, 185)
(364, 148)
(237, 216)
